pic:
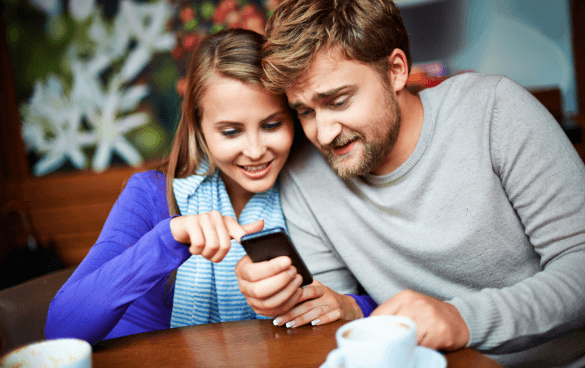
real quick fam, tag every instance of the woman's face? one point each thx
(248, 131)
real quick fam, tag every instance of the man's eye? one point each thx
(304, 113)
(339, 102)
(230, 132)
(273, 125)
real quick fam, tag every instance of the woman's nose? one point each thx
(255, 148)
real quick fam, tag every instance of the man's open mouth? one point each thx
(345, 147)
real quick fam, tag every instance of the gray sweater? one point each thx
(488, 213)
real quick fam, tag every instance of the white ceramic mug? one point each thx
(62, 353)
(380, 341)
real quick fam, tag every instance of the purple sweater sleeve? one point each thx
(366, 303)
(134, 252)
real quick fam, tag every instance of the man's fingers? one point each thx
(423, 338)
(388, 308)
(439, 325)
(400, 304)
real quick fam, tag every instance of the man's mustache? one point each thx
(343, 139)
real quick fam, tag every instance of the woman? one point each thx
(233, 139)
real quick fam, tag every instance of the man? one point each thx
(462, 207)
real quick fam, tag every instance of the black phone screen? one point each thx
(271, 243)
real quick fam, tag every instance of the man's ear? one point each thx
(398, 69)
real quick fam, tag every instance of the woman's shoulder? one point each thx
(152, 181)
(148, 177)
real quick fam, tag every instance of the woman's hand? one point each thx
(209, 234)
(270, 287)
(320, 305)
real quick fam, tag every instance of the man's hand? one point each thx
(272, 287)
(320, 305)
(438, 324)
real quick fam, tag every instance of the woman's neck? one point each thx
(239, 197)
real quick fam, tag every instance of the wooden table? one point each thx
(251, 343)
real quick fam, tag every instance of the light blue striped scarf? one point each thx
(207, 292)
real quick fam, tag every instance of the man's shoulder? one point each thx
(307, 169)
(466, 83)
(305, 158)
(466, 92)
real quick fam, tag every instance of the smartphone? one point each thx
(271, 243)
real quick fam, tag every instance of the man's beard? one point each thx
(384, 132)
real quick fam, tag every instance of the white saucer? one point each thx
(428, 358)
(422, 358)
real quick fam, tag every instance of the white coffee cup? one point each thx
(380, 341)
(62, 353)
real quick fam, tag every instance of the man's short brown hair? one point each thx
(365, 30)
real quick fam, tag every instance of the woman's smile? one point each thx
(256, 171)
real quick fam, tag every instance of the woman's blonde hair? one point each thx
(231, 53)
(365, 30)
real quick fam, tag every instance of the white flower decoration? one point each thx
(50, 7)
(81, 9)
(52, 119)
(87, 87)
(111, 128)
(111, 43)
(147, 23)
(51, 108)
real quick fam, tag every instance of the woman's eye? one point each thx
(230, 132)
(273, 125)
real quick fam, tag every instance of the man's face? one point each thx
(348, 111)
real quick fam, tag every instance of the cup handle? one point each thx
(334, 359)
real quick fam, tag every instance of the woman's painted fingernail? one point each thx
(277, 321)
(290, 324)
(315, 322)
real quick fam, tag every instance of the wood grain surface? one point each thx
(251, 343)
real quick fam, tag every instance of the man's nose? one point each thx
(255, 148)
(327, 128)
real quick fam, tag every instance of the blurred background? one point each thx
(91, 92)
